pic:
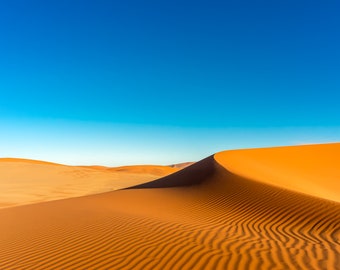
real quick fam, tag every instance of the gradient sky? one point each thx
(126, 82)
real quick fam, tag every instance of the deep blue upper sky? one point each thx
(177, 64)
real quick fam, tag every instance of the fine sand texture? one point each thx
(25, 181)
(235, 210)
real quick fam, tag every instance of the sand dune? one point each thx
(224, 212)
(314, 170)
(25, 181)
(146, 169)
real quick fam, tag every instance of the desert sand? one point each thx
(24, 181)
(275, 208)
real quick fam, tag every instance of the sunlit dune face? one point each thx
(311, 169)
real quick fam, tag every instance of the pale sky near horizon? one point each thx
(162, 82)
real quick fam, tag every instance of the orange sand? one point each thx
(228, 211)
(313, 170)
(25, 181)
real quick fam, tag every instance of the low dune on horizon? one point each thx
(25, 181)
(269, 208)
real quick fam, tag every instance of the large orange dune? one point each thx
(275, 208)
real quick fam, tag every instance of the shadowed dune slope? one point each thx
(203, 217)
(200, 170)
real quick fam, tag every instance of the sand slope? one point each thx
(313, 170)
(25, 181)
(203, 217)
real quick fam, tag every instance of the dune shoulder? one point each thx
(309, 169)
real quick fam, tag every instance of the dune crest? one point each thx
(203, 217)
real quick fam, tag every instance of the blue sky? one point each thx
(126, 82)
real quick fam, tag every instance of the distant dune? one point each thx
(146, 169)
(24, 181)
(275, 208)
